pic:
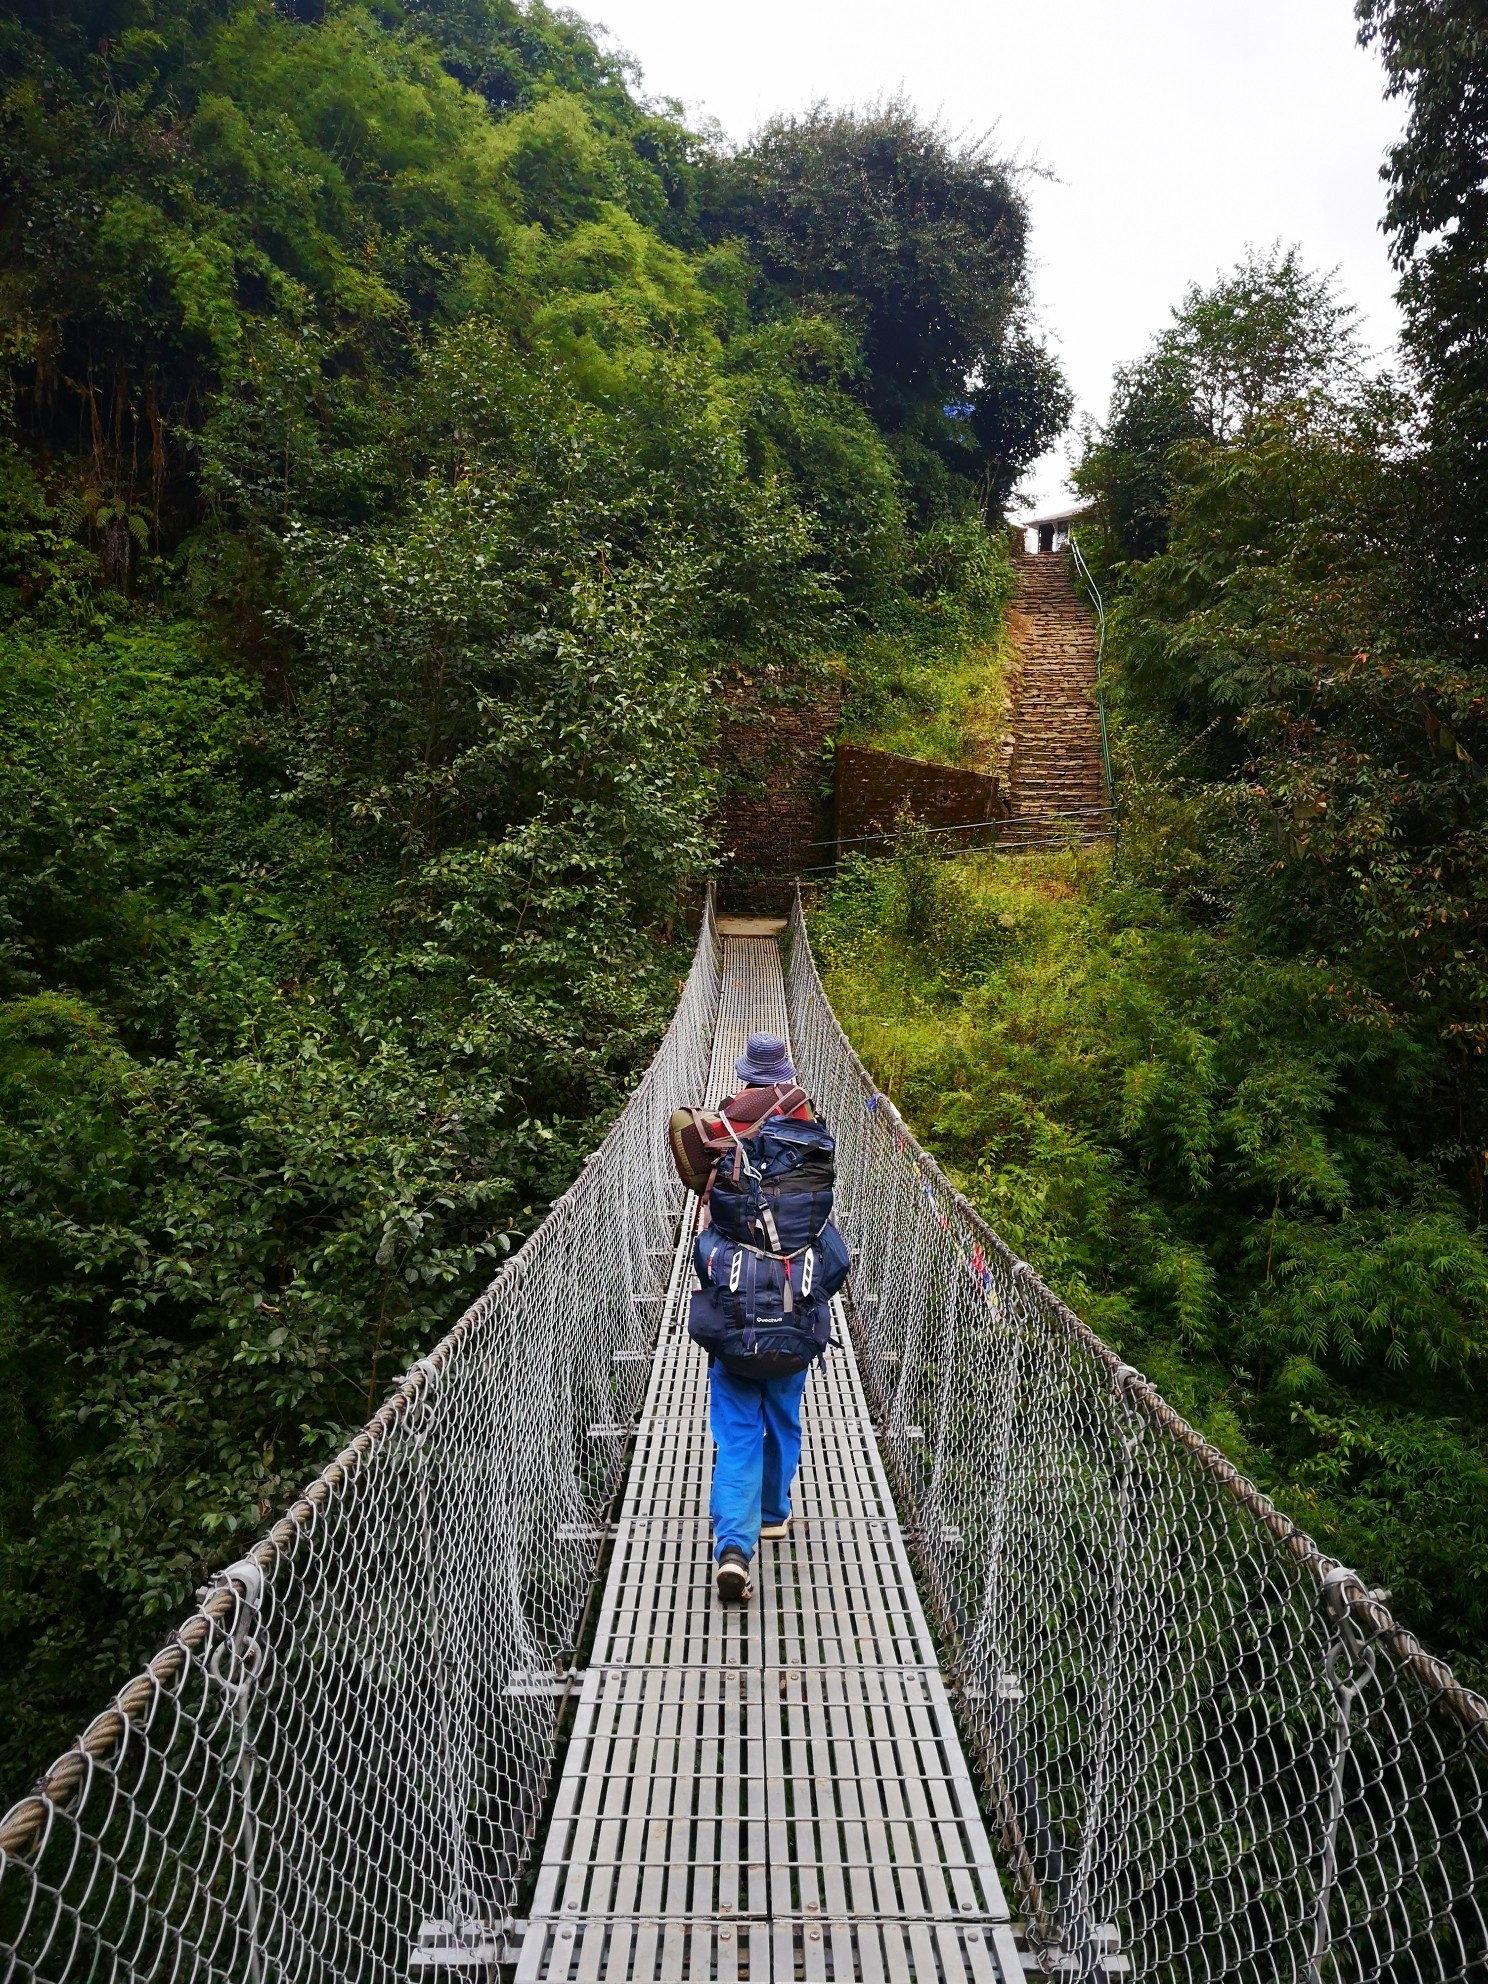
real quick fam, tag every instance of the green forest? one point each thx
(414, 439)
(419, 441)
(1229, 1091)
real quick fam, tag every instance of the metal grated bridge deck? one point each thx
(773, 1791)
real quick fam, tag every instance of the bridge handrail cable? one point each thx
(345, 1751)
(1100, 684)
(1207, 1744)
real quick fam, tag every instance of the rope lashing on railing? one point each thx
(1147, 1648)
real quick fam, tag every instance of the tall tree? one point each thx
(1270, 341)
(1435, 54)
(919, 243)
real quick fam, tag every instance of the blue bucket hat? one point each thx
(764, 1060)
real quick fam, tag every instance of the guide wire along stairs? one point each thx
(1038, 1684)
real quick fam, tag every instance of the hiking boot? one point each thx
(774, 1531)
(732, 1576)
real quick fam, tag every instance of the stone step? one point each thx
(1055, 759)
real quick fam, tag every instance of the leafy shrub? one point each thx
(401, 467)
(928, 679)
(1206, 1149)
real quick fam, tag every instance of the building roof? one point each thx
(1064, 516)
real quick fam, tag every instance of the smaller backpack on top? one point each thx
(700, 1137)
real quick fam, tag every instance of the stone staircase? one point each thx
(1051, 766)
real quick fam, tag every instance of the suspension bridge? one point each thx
(1038, 1684)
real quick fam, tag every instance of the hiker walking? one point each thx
(769, 1261)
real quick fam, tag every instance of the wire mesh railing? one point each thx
(336, 1767)
(1209, 1752)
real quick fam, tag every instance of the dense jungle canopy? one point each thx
(409, 428)
(416, 439)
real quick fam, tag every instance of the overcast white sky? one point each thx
(1178, 131)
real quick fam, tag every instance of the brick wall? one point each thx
(873, 789)
(775, 811)
(785, 805)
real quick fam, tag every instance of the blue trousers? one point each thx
(756, 1428)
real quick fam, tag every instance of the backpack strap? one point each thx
(777, 1101)
(770, 1227)
(806, 1253)
(740, 1160)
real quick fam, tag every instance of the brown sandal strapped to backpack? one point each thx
(699, 1138)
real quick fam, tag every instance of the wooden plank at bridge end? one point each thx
(751, 926)
(734, 1804)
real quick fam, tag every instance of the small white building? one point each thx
(1051, 532)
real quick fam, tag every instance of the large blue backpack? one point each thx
(771, 1259)
(774, 1190)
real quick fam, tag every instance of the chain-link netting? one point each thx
(1208, 1751)
(335, 1769)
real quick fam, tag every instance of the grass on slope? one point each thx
(930, 681)
(1198, 1146)
(944, 703)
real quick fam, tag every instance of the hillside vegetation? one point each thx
(1229, 1091)
(409, 426)
(929, 681)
